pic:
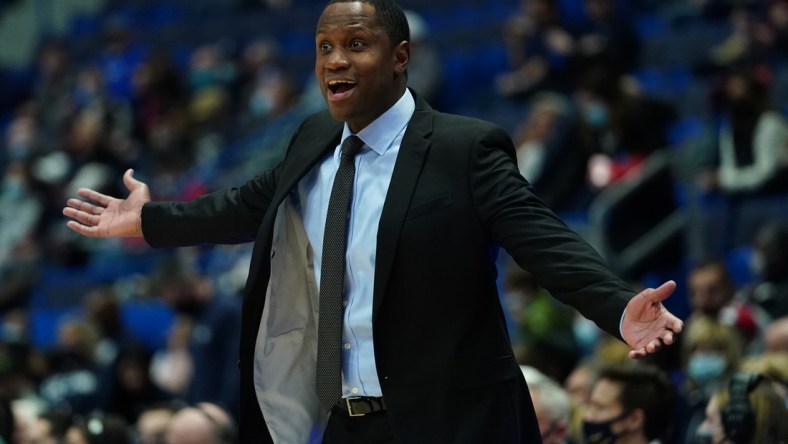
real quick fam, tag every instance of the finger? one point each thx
(83, 229)
(637, 354)
(129, 180)
(86, 207)
(82, 217)
(95, 196)
(667, 338)
(660, 293)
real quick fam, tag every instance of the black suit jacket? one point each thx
(443, 356)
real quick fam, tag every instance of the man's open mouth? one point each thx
(340, 87)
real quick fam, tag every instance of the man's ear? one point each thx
(635, 420)
(401, 57)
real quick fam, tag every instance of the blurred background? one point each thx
(656, 129)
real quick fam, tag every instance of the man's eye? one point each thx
(324, 46)
(356, 44)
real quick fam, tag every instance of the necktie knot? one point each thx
(351, 146)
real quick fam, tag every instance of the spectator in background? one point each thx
(547, 152)
(204, 423)
(748, 411)
(774, 367)
(49, 427)
(610, 34)
(158, 91)
(24, 137)
(712, 293)
(121, 56)
(8, 425)
(752, 140)
(98, 429)
(774, 32)
(172, 369)
(629, 404)
(54, 82)
(538, 47)
(127, 387)
(620, 127)
(151, 426)
(770, 264)
(551, 404)
(578, 387)
(20, 212)
(425, 69)
(712, 352)
(777, 336)
(543, 336)
(72, 380)
(214, 333)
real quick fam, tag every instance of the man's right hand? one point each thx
(105, 216)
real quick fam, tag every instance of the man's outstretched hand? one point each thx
(105, 216)
(647, 324)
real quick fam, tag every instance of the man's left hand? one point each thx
(647, 323)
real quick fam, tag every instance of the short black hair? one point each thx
(644, 387)
(389, 16)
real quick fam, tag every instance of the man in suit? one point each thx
(425, 351)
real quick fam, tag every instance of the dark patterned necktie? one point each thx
(328, 374)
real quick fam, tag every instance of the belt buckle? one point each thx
(350, 408)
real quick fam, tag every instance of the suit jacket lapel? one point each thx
(312, 146)
(407, 169)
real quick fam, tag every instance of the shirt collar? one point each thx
(380, 134)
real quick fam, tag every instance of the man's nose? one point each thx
(337, 59)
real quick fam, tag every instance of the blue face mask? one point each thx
(601, 432)
(596, 115)
(705, 367)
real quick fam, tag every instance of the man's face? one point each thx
(709, 291)
(603, 405)
(360, 72)
(40, 432)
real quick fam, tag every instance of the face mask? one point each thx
(756, 263)
(600, 432)
(706, 367)
(203, 77)
(585, 333)
(13, 189)
(596, 115)
(261, 104)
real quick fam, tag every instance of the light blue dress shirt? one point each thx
(374, 167)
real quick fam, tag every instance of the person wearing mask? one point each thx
(752, 139)
(712, 352)
(629, 404)
(371, 311)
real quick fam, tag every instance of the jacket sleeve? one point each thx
(227, 216)
(560, 260)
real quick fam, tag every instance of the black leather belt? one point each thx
(361, 405)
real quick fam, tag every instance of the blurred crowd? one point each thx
(587, 123)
